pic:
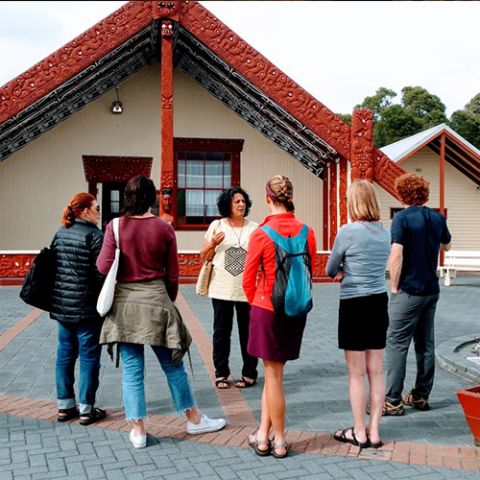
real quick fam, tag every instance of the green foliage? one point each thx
(427, 109)
(467, 125)
(379, 102)
(418, 110)
(346, 117)
(473, 106)
(396, 123)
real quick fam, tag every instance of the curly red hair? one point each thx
(412, 189)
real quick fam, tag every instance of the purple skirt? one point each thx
(273, 338)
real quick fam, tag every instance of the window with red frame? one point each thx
(204, 168)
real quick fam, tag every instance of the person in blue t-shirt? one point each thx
(418, 235)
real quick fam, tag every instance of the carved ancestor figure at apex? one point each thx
(362, 144)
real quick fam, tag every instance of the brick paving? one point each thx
(430, 445)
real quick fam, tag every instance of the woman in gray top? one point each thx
(359, 260)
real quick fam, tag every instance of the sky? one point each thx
(340, 52)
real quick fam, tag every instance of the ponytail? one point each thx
(77, 204)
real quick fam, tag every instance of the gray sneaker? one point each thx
(206, 425)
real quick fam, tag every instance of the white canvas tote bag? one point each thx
(105, 299)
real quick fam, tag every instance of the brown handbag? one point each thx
(203, 281)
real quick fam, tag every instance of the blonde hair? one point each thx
(362, 201)
(280, 191)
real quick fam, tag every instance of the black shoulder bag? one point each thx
(38, 284)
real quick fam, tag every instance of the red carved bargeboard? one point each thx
(17, 265)
(89, 47)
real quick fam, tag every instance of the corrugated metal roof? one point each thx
(399, 150)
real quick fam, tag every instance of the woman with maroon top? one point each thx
(143, 312)
(273, 339)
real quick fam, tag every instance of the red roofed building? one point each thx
(167, 90)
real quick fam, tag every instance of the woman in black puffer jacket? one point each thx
(77, 285)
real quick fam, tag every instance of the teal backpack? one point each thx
(292, 289)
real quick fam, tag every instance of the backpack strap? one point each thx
(292, 245)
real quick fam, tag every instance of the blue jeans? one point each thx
(78, 341)
(133, 361)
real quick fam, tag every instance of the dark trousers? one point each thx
(222, 331)
(411, 317)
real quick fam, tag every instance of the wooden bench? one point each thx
(457, 260)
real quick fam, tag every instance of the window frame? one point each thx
(233, 147)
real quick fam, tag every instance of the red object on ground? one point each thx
(470, 401)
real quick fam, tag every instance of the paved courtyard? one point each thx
(433, 445)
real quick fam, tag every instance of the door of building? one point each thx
(112, 201)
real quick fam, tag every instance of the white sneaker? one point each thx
(205, 425)
(138, 441)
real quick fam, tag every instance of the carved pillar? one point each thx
(442, 187)
(333, 203)
(326, 173)
(167, 183)
(342, 192)
(361, 141)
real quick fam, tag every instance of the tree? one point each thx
(379, 102)
(466, 122)
(396, 123)
(473, 106)
(427, 109)
(346, 117)
(418, 110)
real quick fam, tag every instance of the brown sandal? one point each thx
(285, 445)
(254, 443)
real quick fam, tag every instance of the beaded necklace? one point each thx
(239, 237)
(372, 229)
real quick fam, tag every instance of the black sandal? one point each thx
(342, 437)
(94, 416)
(224, 380)
(70, 414)
(375, 445)
(246, 383)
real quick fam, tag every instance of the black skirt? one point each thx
(363, 323)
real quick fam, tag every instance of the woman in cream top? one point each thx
(226, 241)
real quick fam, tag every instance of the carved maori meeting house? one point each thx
(167, 90)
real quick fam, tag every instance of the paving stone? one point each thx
(316, 388)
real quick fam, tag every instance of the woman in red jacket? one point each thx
(272, 338)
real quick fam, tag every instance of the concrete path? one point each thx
(430, 445)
